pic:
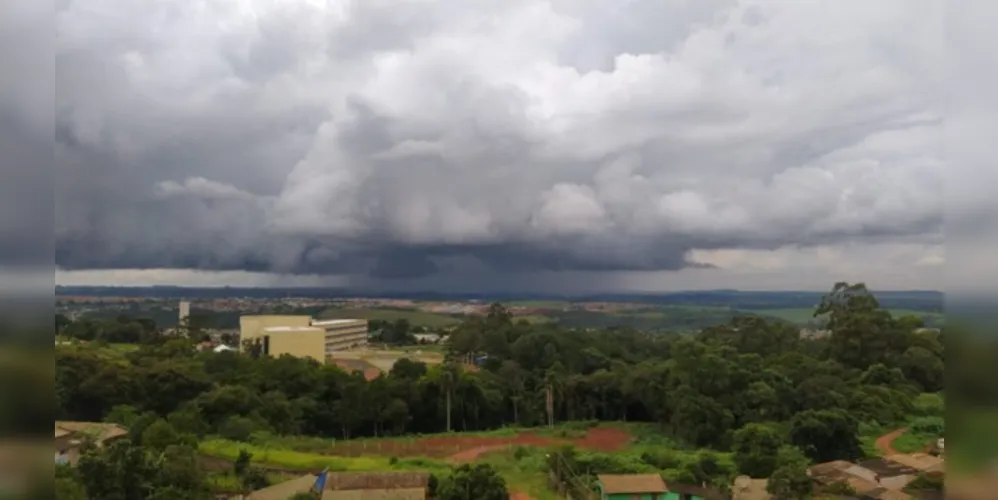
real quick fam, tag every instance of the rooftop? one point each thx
(632, 483)
(879, 479)
(920, 461)
(291, 329)
(100, 431)
(332, 322)
(375, 485)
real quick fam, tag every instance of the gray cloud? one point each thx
(392, 141)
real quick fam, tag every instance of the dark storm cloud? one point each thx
(395, 142)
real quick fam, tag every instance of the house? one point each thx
(648, 487)
(875, 480)
(69, 436)
(351, 486)
(631, 487)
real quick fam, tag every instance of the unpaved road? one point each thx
(885, 443)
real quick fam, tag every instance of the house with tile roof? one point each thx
(648, 487)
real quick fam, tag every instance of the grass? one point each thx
(524, 473)
(228, 482)
(415, 317)
(927, 407)
(523, 467)
(912, 442)
(298, 460)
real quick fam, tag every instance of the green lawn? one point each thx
(415, 317)
(298, 460)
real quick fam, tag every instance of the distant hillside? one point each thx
(926, 301)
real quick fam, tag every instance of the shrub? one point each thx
(935, 426)
(237, 429)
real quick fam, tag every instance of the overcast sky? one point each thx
(502, 144)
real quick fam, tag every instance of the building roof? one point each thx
(333, 322)
(377, 480)
(920, 461)
(100, 431)
(632, 483)
(367, 485)
(887, 468)
(285, 490)
(881, 480)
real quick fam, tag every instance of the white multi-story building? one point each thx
(343, 334)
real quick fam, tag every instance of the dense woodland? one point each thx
(750, 386)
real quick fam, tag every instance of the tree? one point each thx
(755, 450)
(160, 435)
(826, 435)
(238, 428)
(242, 462)
(68, 487)
(448, 382)
(511, 373)
(790, 480)
(472, 482)
(861, 332)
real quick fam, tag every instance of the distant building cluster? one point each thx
(302, 336)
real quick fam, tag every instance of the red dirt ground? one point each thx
(519, 495)
(465, 448)
(885, 443)
(602, 439)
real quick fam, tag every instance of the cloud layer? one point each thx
(443, 137)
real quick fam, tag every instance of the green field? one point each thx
(523, 467)
(805, 315)
(415, 318)
(540, 304)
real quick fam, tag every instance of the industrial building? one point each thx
(302, 336)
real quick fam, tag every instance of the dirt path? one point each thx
(885, 443)
(519, 495)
